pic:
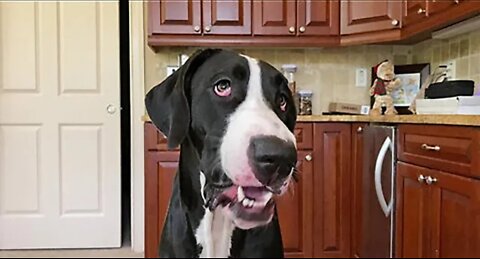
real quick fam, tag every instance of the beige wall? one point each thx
(464, 49)
(330, 73)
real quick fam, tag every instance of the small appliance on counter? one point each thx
(449, 89)
(336, 108)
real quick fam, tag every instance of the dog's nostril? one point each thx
(271, 158)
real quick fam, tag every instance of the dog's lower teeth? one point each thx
(245, 202)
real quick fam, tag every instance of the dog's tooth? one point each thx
(251, 203)
(240, 193)
(245, 202)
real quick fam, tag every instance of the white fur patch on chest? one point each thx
(215, 235)
(215, 231)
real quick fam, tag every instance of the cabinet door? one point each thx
(274, 17)
(358, 16)
(440, 6)
(175, 17)
(233, 17)
(160, 170)
(412, 233)
(331, 201)
(414, 11)
(318, 17)
(455, 216)
(295, 212)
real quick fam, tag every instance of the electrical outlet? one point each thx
(361, 77)
(451, 70)
(171, 70)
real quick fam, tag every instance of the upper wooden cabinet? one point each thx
(318, 17)
(227, 17)
(175, 17)
(367, 16)
(300, 23)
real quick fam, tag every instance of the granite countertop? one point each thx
(460, 120)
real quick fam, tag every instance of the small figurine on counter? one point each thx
(383, 87)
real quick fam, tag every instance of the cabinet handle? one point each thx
(208, 28)
(308, 157)
(291, 29)
(302, 29)
(430, 148)
(422, 178)
(196, 28)
(430, 180)
(421, 11)
(360, 130)
(395, 22)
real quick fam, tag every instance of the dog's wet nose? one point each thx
(272, 159)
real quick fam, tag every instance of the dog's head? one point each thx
(240, 115)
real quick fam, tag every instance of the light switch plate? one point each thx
(171, 70)
(361, 77)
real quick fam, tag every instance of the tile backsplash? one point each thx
(330, 72)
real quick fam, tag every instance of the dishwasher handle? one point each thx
(386, 208)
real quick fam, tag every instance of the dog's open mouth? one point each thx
(248, 206)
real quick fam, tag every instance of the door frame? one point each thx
(137, 109)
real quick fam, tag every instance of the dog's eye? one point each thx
(283, 103)
(222, 88)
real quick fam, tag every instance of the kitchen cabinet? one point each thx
(370, 16)
(185, 17)
(295, 211)
(160, 169)
(438, 214)
(296, 18)
(174, 17)
(438, 192)
(414, 11)
(331, 202)
(231, 17)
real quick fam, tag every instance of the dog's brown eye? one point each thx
(222, 88)
(283, 103)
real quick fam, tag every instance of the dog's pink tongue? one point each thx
(231, 192)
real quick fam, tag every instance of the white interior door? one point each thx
(59, 147)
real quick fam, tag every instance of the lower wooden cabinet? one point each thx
(295, 212)
(438, 214)
(331, 201)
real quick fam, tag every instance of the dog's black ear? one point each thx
(167, 103)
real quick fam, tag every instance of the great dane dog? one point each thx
(233, 117)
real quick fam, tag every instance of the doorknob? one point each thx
(111, 109)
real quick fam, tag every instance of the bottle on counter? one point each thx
(305, 102)
(289, 71)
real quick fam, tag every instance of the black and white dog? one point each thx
(233, 117)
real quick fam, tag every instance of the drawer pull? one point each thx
(422, 178)
(430, 180)
(430, 148)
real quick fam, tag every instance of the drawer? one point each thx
(448, 148)
(304, 135)
(154, 139)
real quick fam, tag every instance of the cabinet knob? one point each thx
(208, 28)
(395, 22)
(291, 29)
(421, 11)
(302, 29)
(457, 1)
(196, 28)
(430, 180)
(360, 129)
(422, 178)
(308, 157)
